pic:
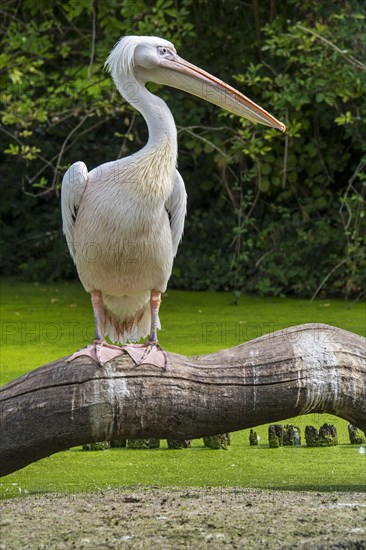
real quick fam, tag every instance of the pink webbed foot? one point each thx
(100, 351)
(149, 353)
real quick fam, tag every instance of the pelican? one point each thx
(123, 220)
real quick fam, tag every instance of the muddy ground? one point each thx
(168, 519)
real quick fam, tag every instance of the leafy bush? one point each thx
(267, 213)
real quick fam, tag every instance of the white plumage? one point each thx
(123, 220)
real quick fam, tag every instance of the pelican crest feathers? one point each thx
(121, 60)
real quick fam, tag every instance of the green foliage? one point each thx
(267, 213)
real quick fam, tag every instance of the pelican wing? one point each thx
(73, 186)
(176, 206)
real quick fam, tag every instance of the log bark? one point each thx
(304, 369)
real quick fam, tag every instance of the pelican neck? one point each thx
(158, 117)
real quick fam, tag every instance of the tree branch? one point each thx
(304, 369)
(344, 53)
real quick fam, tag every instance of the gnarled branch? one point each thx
(304, 369)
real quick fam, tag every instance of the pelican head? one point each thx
(153, 59)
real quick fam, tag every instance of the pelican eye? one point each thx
(163, 50)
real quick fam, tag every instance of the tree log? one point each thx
(304, 369)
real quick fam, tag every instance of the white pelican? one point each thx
(123, 220)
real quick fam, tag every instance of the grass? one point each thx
(42, 322)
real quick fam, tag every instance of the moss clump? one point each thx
(253, 437)
(291, 435)
(97, 446)
(275, 436)
(326, 437)
(118, 443)
(355, 436)
(151, 443)
(178, 443)
(219, 441)
(283, 436)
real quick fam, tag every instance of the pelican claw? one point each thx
(149, 353)
(101, 352)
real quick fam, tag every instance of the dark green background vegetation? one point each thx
(267, 213)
